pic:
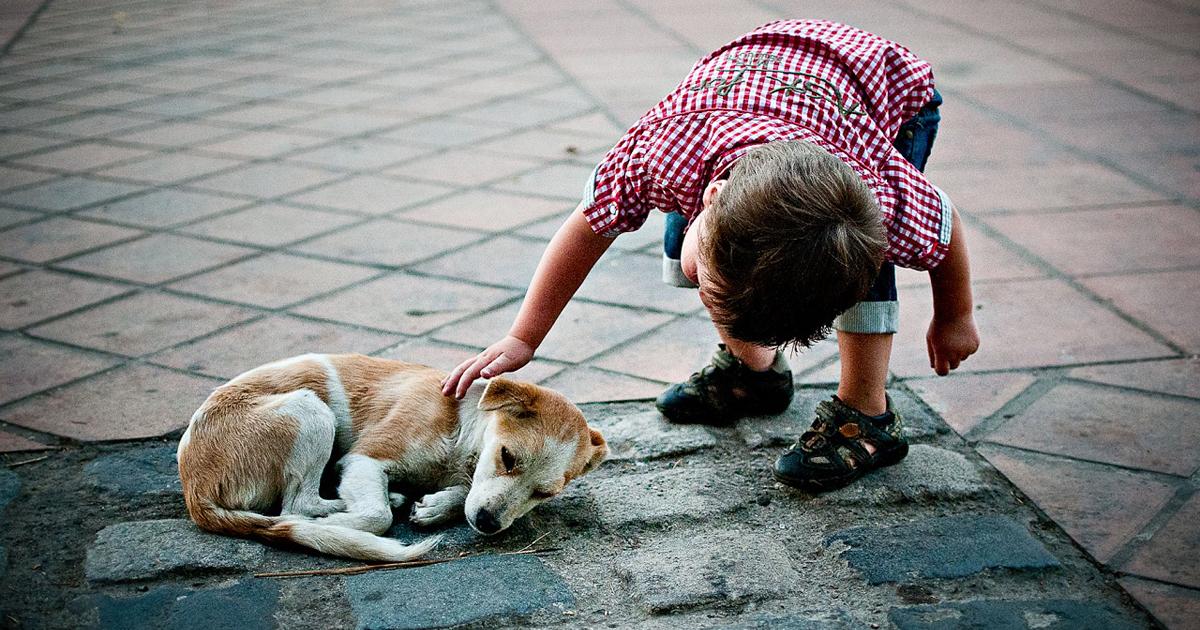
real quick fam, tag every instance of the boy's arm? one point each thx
(567, 261)
(952, 336)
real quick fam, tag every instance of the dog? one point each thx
(261, 442)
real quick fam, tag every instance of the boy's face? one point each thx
(691, 261)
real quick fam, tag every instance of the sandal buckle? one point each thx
(850, 430)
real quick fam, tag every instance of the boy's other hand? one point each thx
(505, 355)
(950, 342)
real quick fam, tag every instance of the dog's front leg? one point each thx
(439, 507)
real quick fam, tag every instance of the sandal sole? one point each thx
(890, 458)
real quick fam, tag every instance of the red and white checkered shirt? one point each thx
(843, 89)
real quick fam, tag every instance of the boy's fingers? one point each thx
(451, 381)
(932, 354)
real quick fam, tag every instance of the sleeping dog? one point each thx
(260, 443)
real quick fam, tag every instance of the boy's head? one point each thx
(793, 238)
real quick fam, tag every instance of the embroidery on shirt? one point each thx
(802, 84)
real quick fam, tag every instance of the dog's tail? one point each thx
(312, 533)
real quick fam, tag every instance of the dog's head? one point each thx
(535, 443)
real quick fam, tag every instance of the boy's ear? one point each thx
(502, 393)
(599, 451)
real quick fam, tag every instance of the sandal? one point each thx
(833, 452)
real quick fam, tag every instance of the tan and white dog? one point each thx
(260, 443)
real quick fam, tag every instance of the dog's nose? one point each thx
(486, 522)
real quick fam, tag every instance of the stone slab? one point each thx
(720, 568)
(647, 435)
(475, 590)
(1175, 607)
(245, 605)
(945, 547)
(151, 471)
(928, 473)
(143, 550)
(10, 487)
(782, 430)
(1055, 614)
(672, 495)
(825, 620)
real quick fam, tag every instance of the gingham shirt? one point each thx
(843, 89)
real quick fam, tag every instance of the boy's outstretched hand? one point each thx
(505, 355)
(950, 342)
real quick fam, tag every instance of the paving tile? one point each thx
(1173, 554)
(67, 193)
(442, 356)
(964, 400)
(142, 323)
(1098, 241)
(1101, 507)
(444, 132)
(165, 168)
(262, 143)
(970, 137)
(487, 210)
(636, 280)
(344, 123)
(359, 154)
(83, 156)
(17, 142)
(668, 354)
(1163, 301)
(28, 366)
(522, 112)
(405, 303)
(1174, 607)
(545, 144)
(30, 115)
(95, 125)
(231, 352)
(1110, 426)
(177, 134)
(153, 401)
(266, 180)
(371, 195)
(56, 238)
(17, 177)
(1061, 185)
(387, 242)
(566, 181)
(479, 262)
(37, 295)
(465, 167)
(163, 208)
(267, 113)
(146, 550)
(13, 443)
(270, 225)
(176, 105)
(156, 258)
(1077, 99)
(1180, 377)
(990, 260)
(1015, 613)
(1008, 313)
(583, 330)
(1175, 171)
(274, 280)
(586, 384)
(1130, 133)
(596, 124)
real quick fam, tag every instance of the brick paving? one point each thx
(190, 190)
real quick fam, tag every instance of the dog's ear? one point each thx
(503, 394)
(599, 451)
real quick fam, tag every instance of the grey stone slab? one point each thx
(823, 620)
(151, 471)
(1060, 614)
(143, 550)
(647, 435)
(248, 605)
(479, 589)
(718, 568)
(945, 547)
(675, 494)
(782, 430)
(3, 562)
(10, 487)
(928, 473)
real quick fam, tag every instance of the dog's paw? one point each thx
(397, 500)
(436, 508)
(328, 506)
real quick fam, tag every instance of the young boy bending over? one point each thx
(792, 160)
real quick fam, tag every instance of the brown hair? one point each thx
(793, 239)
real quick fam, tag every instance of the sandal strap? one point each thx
(840, 433)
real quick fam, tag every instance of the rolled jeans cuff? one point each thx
(870, 318)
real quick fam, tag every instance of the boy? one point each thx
(793, 155)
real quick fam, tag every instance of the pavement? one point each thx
(191, 189)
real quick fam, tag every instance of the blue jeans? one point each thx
(878, 312)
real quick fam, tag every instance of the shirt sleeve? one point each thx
(919, 221)
(615, 196)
